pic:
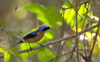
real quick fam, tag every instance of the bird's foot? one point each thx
(41, 45)
(31, 48)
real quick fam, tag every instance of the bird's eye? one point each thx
(46, 28)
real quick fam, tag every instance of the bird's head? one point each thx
(43, 28)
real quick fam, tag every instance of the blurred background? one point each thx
(19, 17)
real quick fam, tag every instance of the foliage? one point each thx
(2, 22)
(6, 55)
(48, 16)
(45, 55)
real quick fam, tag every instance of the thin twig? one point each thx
(56, 41)
(65, 8)
(84, 45)
(62, 34)
(71, 54)
(95, 38)
(65, 53)
(73, 6)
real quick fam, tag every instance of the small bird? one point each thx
(34, 36)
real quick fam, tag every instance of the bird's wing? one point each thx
(30, 35)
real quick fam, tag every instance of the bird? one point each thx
(34, 36)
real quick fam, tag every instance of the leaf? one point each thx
(1, 50)
(80, 46)
(25, 46)
(26, 55)
(45, 55)
(68, 43)
(16, 53)
(98, 38)
(86, 16)
(7, 57)
(74, 29)
(45, 14)
(49, 34)
(2, 22)
(96, 49)
(69, 14)
(9, 33)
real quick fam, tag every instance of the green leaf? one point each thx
(80, 46)
(49, 34)
(15, 53)
(45, 14)
(25, 46)
(2, 22)
(27, 54)
(69, 14)
(86, 16)
(7, 57)
(24, 56)
(68, 43)
(9, 33)
(1, 50)
(45, 55)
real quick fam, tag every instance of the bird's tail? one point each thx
(17, 43)
(14, 45)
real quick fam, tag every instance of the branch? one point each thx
(61, 44)
(66, 53)
(95, 38)
(76, 29)
(56, 41)
(73, 6)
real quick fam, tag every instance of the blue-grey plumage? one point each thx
(35, 36)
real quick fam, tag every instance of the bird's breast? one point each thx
(38, 37)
